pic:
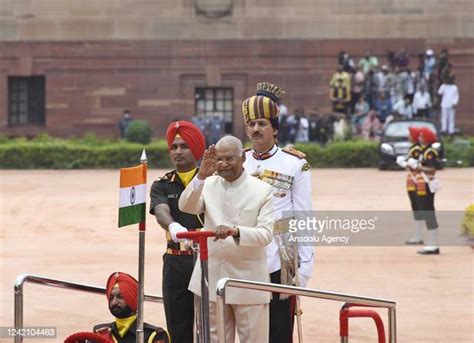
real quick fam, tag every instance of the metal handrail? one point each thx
(291, 290)
(22, 278)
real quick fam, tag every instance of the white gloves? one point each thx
(302, 280)
(412, 163)
(402, 162)
(174, 228)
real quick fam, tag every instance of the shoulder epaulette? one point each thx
(100, 328)
(414, 150)
(436, 146)
(430, 150)
(294, 152)
(153, 327)
(247, 150)
(161, 334)
(168, 176)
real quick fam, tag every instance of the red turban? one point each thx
(190, 133)
(429, 137)
(128, 287)
(414, 134)
(81, 337)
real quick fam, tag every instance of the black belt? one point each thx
(177, 252)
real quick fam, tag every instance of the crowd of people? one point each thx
(213, 127)
(367, 95)
(299, 127)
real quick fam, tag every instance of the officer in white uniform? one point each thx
(287, 171)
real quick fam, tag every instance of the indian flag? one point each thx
(132, 207)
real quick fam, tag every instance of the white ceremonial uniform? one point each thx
(248, 204)
(291, 182)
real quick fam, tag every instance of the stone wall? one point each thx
(62, 20)
(101, 56)
(88, 84)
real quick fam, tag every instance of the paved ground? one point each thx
(62, 224)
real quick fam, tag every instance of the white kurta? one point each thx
(449, 95)
(246, 203)
(291, 184)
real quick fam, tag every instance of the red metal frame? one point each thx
(201, 238)
(347, 312)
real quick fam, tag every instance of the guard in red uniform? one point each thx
(413, 155)
(426, 187)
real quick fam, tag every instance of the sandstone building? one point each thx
(70, 67)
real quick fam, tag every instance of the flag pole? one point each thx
(141, 263)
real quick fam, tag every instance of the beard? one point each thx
(121, 312)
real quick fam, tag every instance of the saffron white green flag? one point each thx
(132, 205)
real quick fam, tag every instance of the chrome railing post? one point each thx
(18, 310)
(392, 325)
(220, 304)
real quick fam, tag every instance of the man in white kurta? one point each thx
(239, 208)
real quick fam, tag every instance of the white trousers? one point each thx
(447, 119)
(251, 322)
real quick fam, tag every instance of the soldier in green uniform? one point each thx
(122, 294)
(186, 145)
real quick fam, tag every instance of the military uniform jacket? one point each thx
(430, 158)
(415, 152)
(247, 204)
(151, 333)
(288, 172)
(167, 190)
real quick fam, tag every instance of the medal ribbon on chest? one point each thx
(276, 179)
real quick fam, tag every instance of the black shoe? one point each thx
(428, 251)
(413, 242)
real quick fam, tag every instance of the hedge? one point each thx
(90, 152)
(62, 154)
(460, 154)
(139, 131)
(347, 154)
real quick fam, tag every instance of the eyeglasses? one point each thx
(227, 159)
